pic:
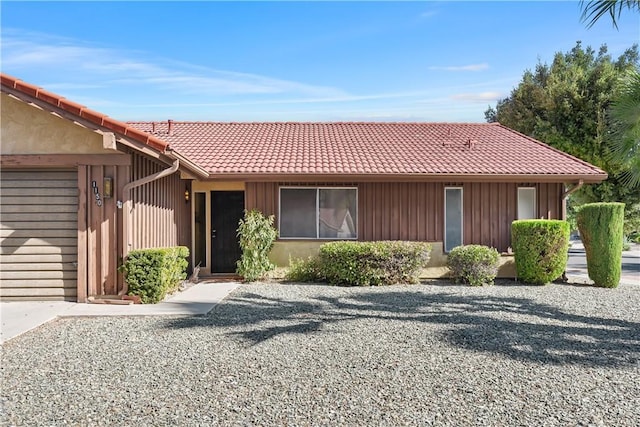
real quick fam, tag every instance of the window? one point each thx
(318, 213)
(200, 230)
(452, 218)
(527, 203)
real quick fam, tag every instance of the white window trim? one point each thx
(444, 232)
(284, 187)
(535, 201)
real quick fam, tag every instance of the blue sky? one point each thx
(292, 61)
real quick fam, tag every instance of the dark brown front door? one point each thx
(227, 208)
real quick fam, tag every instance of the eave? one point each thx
(122, 135)
(392, 177)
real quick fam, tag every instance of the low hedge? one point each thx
(475, 265)
(372, 263)
(541, 248)
(152, 273)
(601, 231)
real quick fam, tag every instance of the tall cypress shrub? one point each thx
(601, 226)
(541, 248)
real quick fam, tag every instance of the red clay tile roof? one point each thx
(82, 111)
(368, 149)
(341, 150)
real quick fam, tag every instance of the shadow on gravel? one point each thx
(517, 328)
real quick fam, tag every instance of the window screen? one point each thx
(318, 213)
(527, 203)
(298, 212)
(452, 218)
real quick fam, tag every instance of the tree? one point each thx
(624, 122)
(593, 10)
(565, 105)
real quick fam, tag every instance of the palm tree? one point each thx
(593, 10)
(624, 118)
(624, 112)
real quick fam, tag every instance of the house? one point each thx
(78, 190)
(445, 183)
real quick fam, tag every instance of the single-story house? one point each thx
(80, 190)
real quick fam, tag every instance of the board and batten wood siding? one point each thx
(99, 230)
(161, 216)
(39, 234)
(400, 211)
(415, 210)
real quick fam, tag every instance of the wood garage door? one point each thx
(38, 234)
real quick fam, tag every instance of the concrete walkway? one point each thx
(20, 317)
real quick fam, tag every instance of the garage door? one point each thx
(38, 234)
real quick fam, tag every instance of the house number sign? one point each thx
(94, 185)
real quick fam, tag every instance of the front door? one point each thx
(227, 208)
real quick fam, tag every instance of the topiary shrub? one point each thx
(373, 263)
(475, 265)
(152, 273)
(541, 248)
(601, 226)
(257, 235)
(305, 270)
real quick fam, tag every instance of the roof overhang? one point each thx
(116, 135)
(335, 177)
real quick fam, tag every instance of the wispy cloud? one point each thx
(477, 97)
(311, 100)
(85, 66)
(471, 67)
(131, 85)
(428, 14)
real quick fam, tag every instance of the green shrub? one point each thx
(541, 248)
(305, 270)
(600, 226)
(476, 265)
(257, 235)
(152, 273)
(373, 263)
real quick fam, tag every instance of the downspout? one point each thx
(572, 189)
(566, 194)
(126, 207)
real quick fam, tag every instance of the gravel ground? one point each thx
(297, 355)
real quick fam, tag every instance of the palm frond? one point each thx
(593, 10)
(624, 125)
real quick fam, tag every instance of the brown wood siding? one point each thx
(38, 234)
(488, 210)
(549, 200)
(160, 216)
(415, 211)
(386, 211)
(100, 229)
(400, 211)
(262, 196)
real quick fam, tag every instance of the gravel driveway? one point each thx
(298, 355)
